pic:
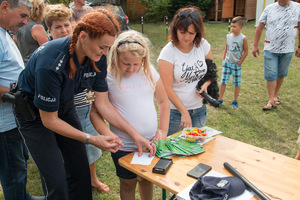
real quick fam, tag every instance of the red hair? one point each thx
(95, 24)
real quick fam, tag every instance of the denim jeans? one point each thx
(198, 117)
(276, 65)
(13, 165)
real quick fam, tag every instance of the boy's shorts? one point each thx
(233, 69)
(276, 65)
(121, 171)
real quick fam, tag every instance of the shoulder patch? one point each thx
(40, 48)
(60, 62)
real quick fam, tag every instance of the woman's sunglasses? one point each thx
(194, 15)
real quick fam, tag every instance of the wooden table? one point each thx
(276, 175)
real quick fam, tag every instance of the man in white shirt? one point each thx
(13, 153)
(282, 21)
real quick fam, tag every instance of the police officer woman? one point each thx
(55, 72)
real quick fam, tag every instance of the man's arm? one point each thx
(258, 32)
(2, 91)
(297, 53)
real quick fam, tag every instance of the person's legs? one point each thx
(175, 120)
(284, 62)
(94, 179)
(279, 82)
(222, 91)
(74, 154)
(270, 74)
(145, 189)
(43, 148)
(236, 92)
(93, 153)
(128, 179)
(298, 154)
(198, 116)
(13, 165)
(127, 188)
(298, 142)
(226, 73)
(236, 79)
(271, 86)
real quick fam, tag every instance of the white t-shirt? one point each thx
(135, 102)
(281, 27)
(189, 68)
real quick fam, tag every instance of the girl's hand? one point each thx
(140, 142)
(107, 143)
(160, 135)
(186, 120)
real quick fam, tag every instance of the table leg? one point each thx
(164, 195)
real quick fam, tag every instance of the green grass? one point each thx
(274, 131)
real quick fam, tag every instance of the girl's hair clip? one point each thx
(126, 41)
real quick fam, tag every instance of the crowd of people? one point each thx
(78, 72)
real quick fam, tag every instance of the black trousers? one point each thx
(61, 161)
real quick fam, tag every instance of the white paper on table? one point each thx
(184, 194)
(210, 131)
(144, 159)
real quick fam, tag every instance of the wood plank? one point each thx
(274, 174)
(227, 9)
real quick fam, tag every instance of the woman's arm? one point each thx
(109, 113)
(164, 111)
(53, 122)
(166, 74)
(99, 123)
(39, 34)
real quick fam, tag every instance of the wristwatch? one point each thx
(87, 139)
(298, 46)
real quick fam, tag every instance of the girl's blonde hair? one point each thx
(37, 10)
(138, 45)
(56, 12)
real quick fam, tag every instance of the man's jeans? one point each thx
(13, 165)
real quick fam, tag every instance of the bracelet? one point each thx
(87, 139)
(299, 47)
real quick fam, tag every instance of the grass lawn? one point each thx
(274, 131)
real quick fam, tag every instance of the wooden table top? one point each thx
(276, 175)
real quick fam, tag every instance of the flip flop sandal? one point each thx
(269, 107)
(277, 101)
(102, 188)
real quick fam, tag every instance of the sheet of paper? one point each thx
(144, 159)
(184, 194)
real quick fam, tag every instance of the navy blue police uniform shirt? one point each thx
(46, 76)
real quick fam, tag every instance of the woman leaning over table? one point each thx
(55, 72)
(184, 57)
(58, 20)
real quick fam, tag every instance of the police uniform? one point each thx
(62, 161)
